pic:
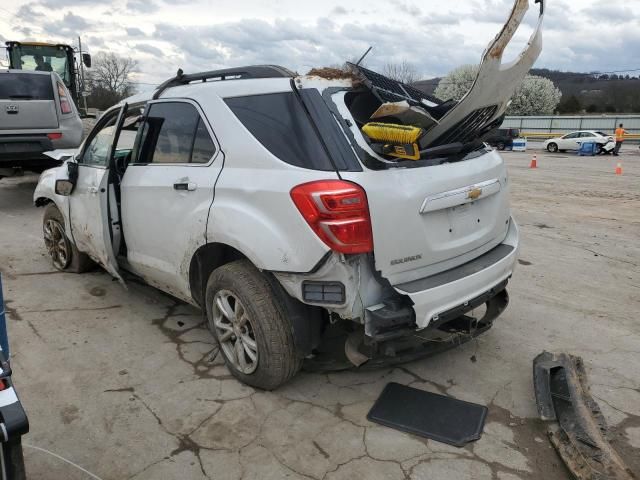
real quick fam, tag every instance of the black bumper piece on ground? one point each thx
(577, 428)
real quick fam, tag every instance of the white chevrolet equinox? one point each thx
(256, 195)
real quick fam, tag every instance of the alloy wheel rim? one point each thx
(57, 244)
(235, 331)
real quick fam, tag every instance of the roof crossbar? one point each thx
(239, 73)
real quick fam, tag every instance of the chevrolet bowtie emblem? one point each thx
(474, 194)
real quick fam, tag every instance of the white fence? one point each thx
(552, 126)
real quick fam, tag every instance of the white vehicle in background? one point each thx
(574, 140)
(258, 196)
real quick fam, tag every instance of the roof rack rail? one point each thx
(239, 73)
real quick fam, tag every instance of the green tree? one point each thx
(570, 105)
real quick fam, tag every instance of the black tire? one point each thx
(501, 146)
(75, 261)
(267, 320)
(552, 147)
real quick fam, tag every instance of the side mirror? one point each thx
(64, 187)
(86, 59)
(72, 172)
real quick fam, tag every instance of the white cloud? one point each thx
(430, 34)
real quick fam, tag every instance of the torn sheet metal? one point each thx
(577, 428)
(489, 97)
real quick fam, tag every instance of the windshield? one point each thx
(42, 58)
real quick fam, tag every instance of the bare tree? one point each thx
(109, 81)
(403, 72)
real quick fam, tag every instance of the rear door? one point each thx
(27, 101)
(167, 192)
(89, 202)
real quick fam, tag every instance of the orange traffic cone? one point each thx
(534, 162)
(619, 169)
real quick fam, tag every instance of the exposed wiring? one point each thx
(44, 450)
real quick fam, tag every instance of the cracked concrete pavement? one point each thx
(121, 382)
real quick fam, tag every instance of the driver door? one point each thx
(89, 203)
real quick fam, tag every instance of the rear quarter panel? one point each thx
(252, 210)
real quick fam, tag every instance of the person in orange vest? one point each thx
(619, 139)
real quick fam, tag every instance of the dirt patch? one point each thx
(69, 414)
(97, 292)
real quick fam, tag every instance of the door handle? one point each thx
(185, 186)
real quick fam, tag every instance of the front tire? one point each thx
(64, 254)
(251, 325)
(501, 146)
(552, 147)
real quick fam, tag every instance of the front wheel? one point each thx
(251, 325)
(552, 147)
(501, 146)
(64, 254)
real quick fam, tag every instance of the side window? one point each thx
(97, 151)
(279, 122)
(175, 133)
(586, 135)
(203, 147)
(573, 135)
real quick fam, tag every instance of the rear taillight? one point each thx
(337, 211)
(65, 106)
(54, 136)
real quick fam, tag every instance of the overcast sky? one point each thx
(433, 35)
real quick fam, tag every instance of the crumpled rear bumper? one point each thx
(455, 289)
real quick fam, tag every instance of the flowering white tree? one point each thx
(534, 96)
(455, 85)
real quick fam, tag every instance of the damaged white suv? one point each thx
(260, 197)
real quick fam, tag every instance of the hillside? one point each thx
(583, 91)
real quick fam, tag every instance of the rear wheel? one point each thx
(552, 147)
(64, 254)
(500, 146)
(252, 326)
